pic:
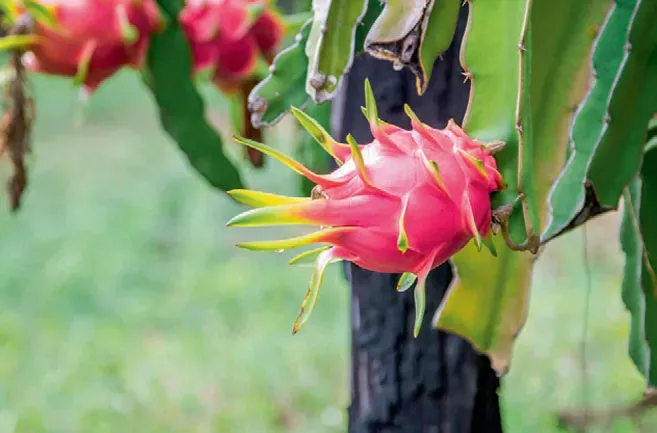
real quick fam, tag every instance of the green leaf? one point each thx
(182, 113)
(618, 155)
(568, 194)
(308, 151)
(284, 86)
(331, 45)
(639, 290)
(488, 303)
(44, 14)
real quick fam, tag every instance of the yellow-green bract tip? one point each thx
(402, 238)
(44, 14)
(288, 161)
(316, 130)
(489, 243)
(477, 163)
(472, 224)
(303, 259)
(282, 244)
(323, 260)
(13, 42)
(271, 215)
(357, 157)
(411, 114)
(420, 305)
(371, 111)
(84, 63)
(262, 199)
(406, 281)
(434, 171)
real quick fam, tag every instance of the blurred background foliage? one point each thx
(126, 308)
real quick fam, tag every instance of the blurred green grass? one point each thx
(126, 307)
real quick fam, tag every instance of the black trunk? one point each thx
(436, 383)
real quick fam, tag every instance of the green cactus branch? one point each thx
(524, 99)
(413, 33)
(284, 86)
(523, 121)
(639, 289)
(630, 107)
(331, 45)
(607, 132)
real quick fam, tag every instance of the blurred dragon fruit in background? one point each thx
(90, 39)
(228, 37)
(404, 203)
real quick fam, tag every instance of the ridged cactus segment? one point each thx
(568, 194)
(487, 305)
(487, 302)
(639, 243)
(413, 33)
(284, 86)
(331, 45)
(395, 22)
(182, 111)
(632, 104)
(636, 301)
(561, 77)
(396, 33)
(437, 38)
(403, 203)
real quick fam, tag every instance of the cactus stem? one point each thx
(532, 240)
(635, 224)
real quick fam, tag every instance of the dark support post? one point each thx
(436, 383)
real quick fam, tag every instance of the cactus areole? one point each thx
(90, 39)
(404, 203)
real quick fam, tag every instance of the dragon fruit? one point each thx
(228, 36)
(91, 39)
(404, 203)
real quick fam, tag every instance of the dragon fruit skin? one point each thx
(226, 37)
(92, 39)
(404, 203)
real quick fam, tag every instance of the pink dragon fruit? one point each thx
(404, 203)
(228, 36)
(92, 39)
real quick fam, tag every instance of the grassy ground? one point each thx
(126, 308)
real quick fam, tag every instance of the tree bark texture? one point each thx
(436, 383)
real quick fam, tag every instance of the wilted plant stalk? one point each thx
(18, 115)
